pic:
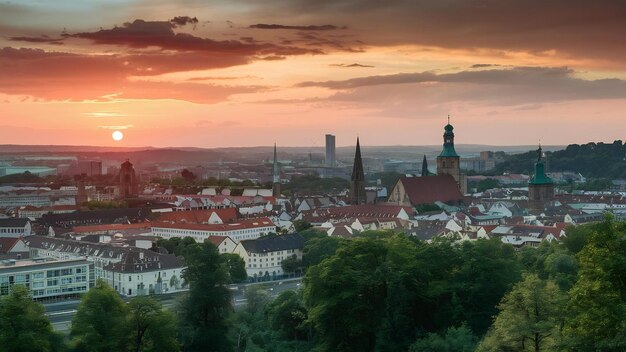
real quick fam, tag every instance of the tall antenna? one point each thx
(448, 119)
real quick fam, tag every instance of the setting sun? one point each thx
(117, 135)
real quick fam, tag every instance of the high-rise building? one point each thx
(357, 181)
(330, 150)
(448, 161)
(128, 180)
(275, 176)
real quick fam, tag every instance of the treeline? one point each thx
(378, 292)
(313, 185)
(595, 160)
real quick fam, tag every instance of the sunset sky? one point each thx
(222, 73)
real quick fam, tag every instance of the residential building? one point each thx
(130, 271)
(15, 227)
(415, 191)
(247, 229)
(264, 256)
(47, 278)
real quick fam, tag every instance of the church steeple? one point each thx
(275, 176)
(540, 177)
(448, 141)
(357, 180)
(425, 167)
(540, 186)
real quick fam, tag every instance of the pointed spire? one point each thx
(357, 168)
(425, 167)
(448, 119)
(357, 181)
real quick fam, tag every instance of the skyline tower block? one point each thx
(330, 160)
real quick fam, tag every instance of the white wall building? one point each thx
(248, 229)
(15, 227)
(264, 256)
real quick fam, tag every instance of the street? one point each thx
(61, 314)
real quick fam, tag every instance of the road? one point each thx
(61, 314)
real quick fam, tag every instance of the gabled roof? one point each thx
(7, 243)
(13, 222)
(428, 190)
(274, 243)
(241, 224)
(110, 227)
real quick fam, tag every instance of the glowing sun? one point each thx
(117, 135)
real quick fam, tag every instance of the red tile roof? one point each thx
(6, 243)
(430, 189)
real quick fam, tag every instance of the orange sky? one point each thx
(238, 73)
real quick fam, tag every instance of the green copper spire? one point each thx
(540, 177)
(448, 141)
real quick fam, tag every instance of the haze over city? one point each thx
(244, 73)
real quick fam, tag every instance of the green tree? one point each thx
(345, 296)
(203, 313)
(598, 299)
(458, 339)
(301, 225)
(236, 267)
(153, 329)
(101, 323)
(287, 314)
(23, 325)
(291, 264)
(319, 248)
(530, 318)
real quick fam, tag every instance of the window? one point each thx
(66, 272)
(39, 275)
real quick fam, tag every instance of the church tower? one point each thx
(540, 186)
(448, 161)
(357, 181)
(275, 176)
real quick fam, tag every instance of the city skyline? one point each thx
(188, 74)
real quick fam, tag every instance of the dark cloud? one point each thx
(350, 65)
(326, 27)
(183, 20)
(483, 65)
(518, 85)
(146, 34)
(41, 39)
(565, 28)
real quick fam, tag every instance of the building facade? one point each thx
(248, 229)
(540, 186)
(264, 256)
(47, 279)
(330, 160)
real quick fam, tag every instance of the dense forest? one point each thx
(595, 160)
(379, 292)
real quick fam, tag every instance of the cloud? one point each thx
(326, 27)
(523, 86)
(483, 65)
(117, 128)
(55, 76)
(350, 65)
(41, 39)
(183, 20)
(141, 34)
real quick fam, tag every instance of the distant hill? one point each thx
(596, 160)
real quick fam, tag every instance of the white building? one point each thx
(248, 229)
(131, 271)
(15, 227)
(47, 278)
(264, 256)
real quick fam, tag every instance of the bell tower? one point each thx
(448, 161)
